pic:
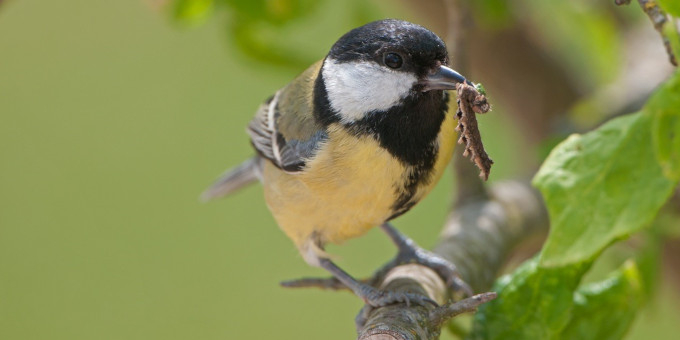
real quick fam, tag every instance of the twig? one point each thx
(458, 17)
(483, 228)
(622, 2)
(445, 313)
(477, 238)
(469, 186)
(659, 19)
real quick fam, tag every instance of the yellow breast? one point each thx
(349, 187)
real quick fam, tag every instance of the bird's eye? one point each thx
(392, 60)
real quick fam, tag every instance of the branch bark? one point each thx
(477, 238)
(483, 228)
(485, 225)
(659, 19)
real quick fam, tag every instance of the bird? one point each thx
(353, 142)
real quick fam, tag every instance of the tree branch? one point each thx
(659, 19)
(481, 231)
(477, 238)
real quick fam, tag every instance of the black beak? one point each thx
(443, 78)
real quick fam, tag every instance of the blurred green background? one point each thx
(113, 119)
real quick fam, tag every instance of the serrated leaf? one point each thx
(600, 187)
(605, 310)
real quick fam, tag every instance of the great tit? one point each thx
(353, 142)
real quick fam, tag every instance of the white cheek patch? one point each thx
(356, 88)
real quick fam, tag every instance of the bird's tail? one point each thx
(234, 179)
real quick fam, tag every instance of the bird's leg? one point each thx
(371, 295)
(410, 252)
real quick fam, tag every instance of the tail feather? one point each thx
(234, 179)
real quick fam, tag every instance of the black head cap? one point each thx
(420, 49)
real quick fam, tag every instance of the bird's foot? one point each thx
(446, 270)
(410, 252)
(379, 298)
(363, 289)
(370, 295)
(329, 283)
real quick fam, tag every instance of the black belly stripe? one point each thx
(409, 132)
(417, 177)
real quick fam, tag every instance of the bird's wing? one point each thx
(284, 129)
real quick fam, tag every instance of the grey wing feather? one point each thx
(261, 129)
(288, 138)
(295, 153)
(234, 179)
(285, 152)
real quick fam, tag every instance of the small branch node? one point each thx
(446, 312)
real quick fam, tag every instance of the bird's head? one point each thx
(375, 67)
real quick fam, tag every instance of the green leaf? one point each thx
(192, 11)
(600, 187)
(672, 7)
(664, 107)
(672, 33)
(250, 9)
(533, 303)
(276, 12)
(261, 41)
(495, 14)
(606, 309)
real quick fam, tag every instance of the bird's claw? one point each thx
(380, 298)
(410, 252)
(314, 282)
(445, 269)
(370, 295)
